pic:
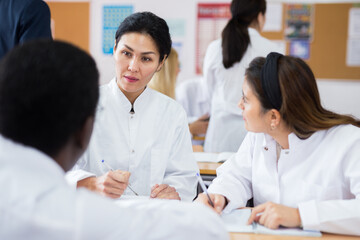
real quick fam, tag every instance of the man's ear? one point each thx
(161, 64)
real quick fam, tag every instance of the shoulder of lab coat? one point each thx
(338, 216)
(234, 176)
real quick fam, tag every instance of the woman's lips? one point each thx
(131, 79)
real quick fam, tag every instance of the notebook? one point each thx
(236, 221)
(212, 157)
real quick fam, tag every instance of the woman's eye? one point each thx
(126, 53)
(146, 59)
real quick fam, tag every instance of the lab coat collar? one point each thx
(295, 143)
(139, 103)
(21, 156)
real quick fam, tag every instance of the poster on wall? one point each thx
(211, 20)
(300, 48)
(113, 15)
(299, 22)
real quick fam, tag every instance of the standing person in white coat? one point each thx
(300, 162)
(48, 96)
(224, 68)
(139, 131)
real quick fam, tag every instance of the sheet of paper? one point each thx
(353, 52)
(273, 21)
(236, 221)
(205, 157)
(212, 157)
(354, 22)
(286, 231)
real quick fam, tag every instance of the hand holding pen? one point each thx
(119, 175)
(215, 201)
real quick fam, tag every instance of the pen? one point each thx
(110, 168)
(203, 187)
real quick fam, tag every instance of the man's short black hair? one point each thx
(47, 91)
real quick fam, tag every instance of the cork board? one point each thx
(328, 47)
(70, 22)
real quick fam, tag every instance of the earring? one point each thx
(272, 126)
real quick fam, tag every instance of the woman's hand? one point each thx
(164, 191)
(272, 215)
(112, 184)
(218, 200)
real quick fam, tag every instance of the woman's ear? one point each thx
(261, 21)
(161, 63)
(114, 49)
(275, 119)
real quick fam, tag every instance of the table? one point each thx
(208, 168)
(252, 236)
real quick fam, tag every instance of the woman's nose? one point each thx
(241, 104)
(133, 65)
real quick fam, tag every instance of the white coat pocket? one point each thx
(158, 165)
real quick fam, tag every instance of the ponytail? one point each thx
(235, 36)
(235, 40)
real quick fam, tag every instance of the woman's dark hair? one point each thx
(48, 89)
(235, 36)
(147, 23)
(301, 107)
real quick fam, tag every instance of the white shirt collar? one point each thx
(139, 103)
(295, 143)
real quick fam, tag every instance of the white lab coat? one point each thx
(224, 87)
(153, 144)
(37, 203)
(191, 95)
(319, 175)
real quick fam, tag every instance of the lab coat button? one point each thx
(266, 148)
(132, 151)
(132, 117)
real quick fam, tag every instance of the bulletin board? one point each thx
(328, 46)
(70, 22)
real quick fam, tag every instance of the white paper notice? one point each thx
(353, 42)
(354, 22)
(273, 21)
(353, 52)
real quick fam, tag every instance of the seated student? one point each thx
(138, 130)
(191, 95)
(48, 96)
(300, 162)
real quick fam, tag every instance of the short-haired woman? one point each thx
(139, 131)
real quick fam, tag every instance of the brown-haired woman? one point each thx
(300, 162)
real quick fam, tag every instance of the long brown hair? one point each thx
(301, 107)
(235, 36)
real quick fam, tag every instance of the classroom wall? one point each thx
(337, 94)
